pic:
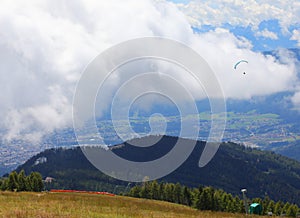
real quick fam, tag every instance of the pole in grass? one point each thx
(126, 189)
(245, 199)
(114, 192)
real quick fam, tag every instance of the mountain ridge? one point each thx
(234, 167)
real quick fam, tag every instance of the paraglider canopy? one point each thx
(241, 61)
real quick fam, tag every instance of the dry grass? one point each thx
(48, 205)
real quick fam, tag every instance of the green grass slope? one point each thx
(73, 205)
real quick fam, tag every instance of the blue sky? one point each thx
(265, 33)
(261, 43)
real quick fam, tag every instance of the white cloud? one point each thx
(45, 45)
(243, 13)
(267, 34)
(296, 36)
(33, 122)
(263, 74)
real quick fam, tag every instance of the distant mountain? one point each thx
(234, 167)
(289, 149)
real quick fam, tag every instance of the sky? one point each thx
(46, 45)
(268, 24)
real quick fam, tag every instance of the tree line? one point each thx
(20, 182)
(207, 198)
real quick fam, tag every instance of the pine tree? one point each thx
(271, 206)
(34, 182)
(224, 201)
(196, 198)
(285, 208)
(38, 182)
(265, 204)
(28, 183)
(206, 199)
(161, 191)
(229, 203)
(13, 181)
(177, 194)
(239, 205)
(4, 185)
(155, 190)
(168, 192)
(292, 211)
(22, 181)
(186, 196)
(144, 192)
(277, 208)
(135, 192)
(217, 200)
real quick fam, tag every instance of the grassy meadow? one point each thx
(46, 205)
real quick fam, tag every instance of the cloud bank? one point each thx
(46, 45)
(242, 13)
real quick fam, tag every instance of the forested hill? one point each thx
(234, 167)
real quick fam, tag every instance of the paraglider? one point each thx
(241, 61)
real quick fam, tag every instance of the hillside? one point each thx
(234, 167)
(27, 205)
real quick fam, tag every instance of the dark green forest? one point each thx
(208, 198)
(234, 167)
(20, 182)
